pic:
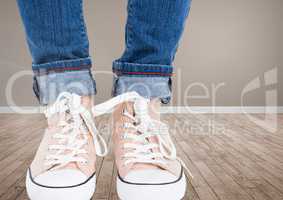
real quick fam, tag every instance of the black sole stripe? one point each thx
(59, 187)
(177, 180)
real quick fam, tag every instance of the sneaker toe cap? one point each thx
(60, 184)
(151, 185)
(154, 176)
(61, 178)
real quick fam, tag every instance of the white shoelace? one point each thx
(72, 138)
(146, 127)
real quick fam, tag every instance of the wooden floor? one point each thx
(231, 157)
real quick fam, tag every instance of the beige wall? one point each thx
(225, 41)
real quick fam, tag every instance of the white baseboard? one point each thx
(169, 109)
(222, 109)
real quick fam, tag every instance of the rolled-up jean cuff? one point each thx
(149, 80)
(62, 65)
(135, 69)
(148, 87)
(53, 78)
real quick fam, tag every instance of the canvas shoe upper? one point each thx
(64, 165)
(148, 167)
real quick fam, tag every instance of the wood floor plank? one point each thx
(229, 155)
(263, 196)
(113, 192)
(251, 171)
(199, 184)
(202, 190)
(104, 178)
(216, 182)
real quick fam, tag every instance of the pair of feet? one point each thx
(64, 165)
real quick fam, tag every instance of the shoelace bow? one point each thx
(147, 128)
(77, 123)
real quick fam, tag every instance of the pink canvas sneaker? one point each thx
(148, 167)
(64, 165)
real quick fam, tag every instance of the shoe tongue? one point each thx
(128, 107)
(56, 118)
(140, 108)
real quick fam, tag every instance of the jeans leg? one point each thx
(153, 31)
(59, 46)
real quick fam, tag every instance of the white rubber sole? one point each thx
(82, 191)
(168, 191)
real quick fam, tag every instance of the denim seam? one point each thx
(138, 74)
(139, 64)
(128, 26)
(53, 33)
(40, 72)
(83, 26)
(137, 69)
(63, 61)
(174, 51)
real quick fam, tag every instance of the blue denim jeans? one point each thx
(58, 42)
